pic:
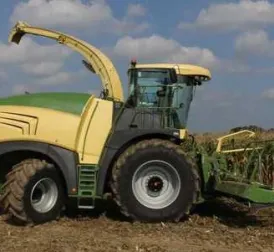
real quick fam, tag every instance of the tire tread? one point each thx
(114, 184)
(16, 179)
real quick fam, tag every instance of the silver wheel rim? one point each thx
(156, 184)
(44, 195)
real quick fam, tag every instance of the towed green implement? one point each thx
(240, 167)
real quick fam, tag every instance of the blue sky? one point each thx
(234, 39)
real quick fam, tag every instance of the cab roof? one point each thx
(181, 69)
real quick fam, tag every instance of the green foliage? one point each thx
(249, 127)
(209, 145)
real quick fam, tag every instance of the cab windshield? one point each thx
(147, 82)
(152, 88)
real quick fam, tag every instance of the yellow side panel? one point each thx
(38, 124)
(8, 129)
(94, 129)
(24, 124)
(86, 134)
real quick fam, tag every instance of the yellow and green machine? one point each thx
(58, 148)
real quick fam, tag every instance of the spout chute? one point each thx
(99, 62)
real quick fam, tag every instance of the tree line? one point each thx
(254, 128)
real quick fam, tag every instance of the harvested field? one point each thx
(215, 226)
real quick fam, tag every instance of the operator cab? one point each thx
(165, 88)
(148, 85)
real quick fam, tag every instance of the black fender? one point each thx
(65, 159)
(119, 141)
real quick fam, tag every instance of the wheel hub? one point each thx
(155, 184)
(37, 195)
(44, 195)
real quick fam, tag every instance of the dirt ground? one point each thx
(215, 226)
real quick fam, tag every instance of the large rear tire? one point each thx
(33, 192)
(154, 180)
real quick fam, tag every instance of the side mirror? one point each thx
(173, 75)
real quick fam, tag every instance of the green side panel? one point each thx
(65, 102)
(87, 178)
(253, 192)
(87, 184)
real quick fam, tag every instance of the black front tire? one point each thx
(168, 153)
(16, 197)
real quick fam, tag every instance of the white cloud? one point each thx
(42, 68)
(268, 94)
(60, 78)
(29, 51)
(136, 10)
(145, 47)
(33, 85)
(75, 14)
(255, 43)
(234, 16)
(35, 60)
(61, 12)
(32, 58)
(157, 48)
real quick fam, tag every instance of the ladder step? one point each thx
(86, 203)
(86, 193)
(85, 207)
(87, 181)
(87, 186)
(87, 175)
